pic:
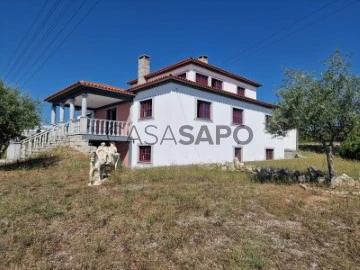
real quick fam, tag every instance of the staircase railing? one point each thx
(43, 139)
(60, 131)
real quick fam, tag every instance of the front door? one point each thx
(111, 128)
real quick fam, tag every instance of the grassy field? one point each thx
(172, 218)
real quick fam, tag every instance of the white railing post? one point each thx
(91, 121)
(93, 126)
(102, 123)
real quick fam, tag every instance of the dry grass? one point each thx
(170, 218)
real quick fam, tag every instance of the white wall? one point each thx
(175, 105)
(290, 141)
(229, 84)
(13, 151)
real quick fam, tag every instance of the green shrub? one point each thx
(350, 148)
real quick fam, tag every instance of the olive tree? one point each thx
(18, 111)
(323, 107)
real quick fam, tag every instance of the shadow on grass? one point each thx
(32, 163)
(316, 148)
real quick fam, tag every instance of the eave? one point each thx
(186, 82)
(201, 64)
(85, 87)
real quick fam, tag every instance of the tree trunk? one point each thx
(330, 163)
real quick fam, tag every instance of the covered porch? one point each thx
(102, 111)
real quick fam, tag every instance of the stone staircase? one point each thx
(74, 134)
(44, 141)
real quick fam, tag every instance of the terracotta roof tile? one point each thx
(199, 63)
(89, 84)
(208, 88)
(103, 86)
(132, 91)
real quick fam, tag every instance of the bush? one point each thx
(350, 148)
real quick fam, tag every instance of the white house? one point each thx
(189, 112)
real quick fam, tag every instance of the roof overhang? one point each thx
(201, 64)
(99, 95)
(192, 84)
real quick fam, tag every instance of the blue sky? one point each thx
(105, 46)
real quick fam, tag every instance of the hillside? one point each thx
(172, 218)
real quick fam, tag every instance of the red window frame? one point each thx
(203, 110)
(202, 79)
(238, 153)
(269, 154)
(241, 91)
(216, 83)
(144, 153)
(238, 116)
(146, 109)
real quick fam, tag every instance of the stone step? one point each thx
(62, 140)
(47, 147)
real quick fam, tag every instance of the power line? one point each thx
(302, 28)
(52, 41)
(233, 60)
(27, 33)
(35, 35)
(62, 42)
(43, 39)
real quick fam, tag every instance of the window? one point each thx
(182, 75)
(269, 154)
(145, 153)
(201, 79)
(216, 83)
(241, 91)
(238, 153)
(203, 110)
(146, 109)
(267, 120)
(237, 116)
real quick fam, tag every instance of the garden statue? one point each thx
(99, 159)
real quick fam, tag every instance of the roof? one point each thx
(131, 92)
(98, 86)
(170, 77)
(201, 64)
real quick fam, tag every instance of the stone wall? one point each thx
(288, 154)
(78, 143)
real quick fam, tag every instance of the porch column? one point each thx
(83, 104)
(83, 119)
(72, 109)
(53, 114)
(62, 112)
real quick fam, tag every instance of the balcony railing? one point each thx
(108, 127)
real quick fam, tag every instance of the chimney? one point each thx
(203, 58)
(143, 68)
